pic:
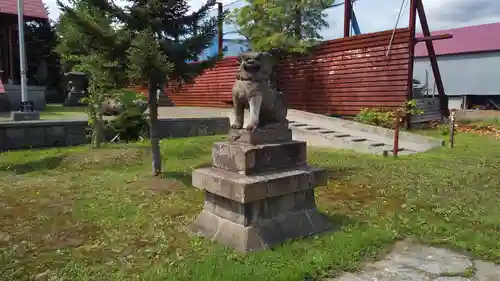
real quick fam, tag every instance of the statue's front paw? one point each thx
(251, 126)
(236, 126)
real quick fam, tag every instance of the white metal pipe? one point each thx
(22, 51)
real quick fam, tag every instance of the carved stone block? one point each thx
(253, 159)
(260, 136)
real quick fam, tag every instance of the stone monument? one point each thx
(259, 192)
(77, 84)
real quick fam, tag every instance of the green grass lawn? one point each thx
(57, 112)
(75, 214)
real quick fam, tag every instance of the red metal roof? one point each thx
(32, 8)
(469, 39)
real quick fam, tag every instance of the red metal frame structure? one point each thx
(416, 8)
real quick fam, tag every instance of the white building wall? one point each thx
(465, 74)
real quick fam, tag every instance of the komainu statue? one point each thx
(252, 90)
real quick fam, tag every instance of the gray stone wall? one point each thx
(43, 133)
(35, 94)
(53, 133)
(190, 127)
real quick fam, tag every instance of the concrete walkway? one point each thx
(323, 131)
(413, 262)
(192, 112)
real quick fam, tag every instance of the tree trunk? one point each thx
(153, 136)
(100, 128)
(275, 75)
(93, 123)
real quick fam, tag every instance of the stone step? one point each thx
(401, 152)
(340, 135)
(375, 143)
(312, 128)
(327, 131)
(352, 142)
(357, 139)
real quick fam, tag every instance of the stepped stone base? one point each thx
(261, 224)
(259, 192)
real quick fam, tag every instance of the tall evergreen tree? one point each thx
(286, 25)
(161, 42)
(101, 57)
(281, 27)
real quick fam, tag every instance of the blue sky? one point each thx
(377, 15)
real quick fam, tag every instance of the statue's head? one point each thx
(256, 62)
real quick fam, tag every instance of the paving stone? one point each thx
(414, 262)
(347, 277)
(428, 259)
(385, 275)
(453, 278)
(487, 271)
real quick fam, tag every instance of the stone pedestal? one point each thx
(25, 115)
(259, 192)
(74, 99)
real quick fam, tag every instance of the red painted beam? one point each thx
(433, 37)
(411, 55)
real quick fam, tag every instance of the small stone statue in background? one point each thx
(77, 82)
(253, 90)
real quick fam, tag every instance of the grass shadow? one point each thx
(340, 173)
(184, 176)
(48, 163)
(338, 221)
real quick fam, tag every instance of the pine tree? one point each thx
(161, 42)
(281, 27)
(290, 26)
(101, 57)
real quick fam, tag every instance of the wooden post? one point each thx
(397, 123)
(452, 128)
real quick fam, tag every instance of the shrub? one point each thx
(131, 124)
(385, 117)
(377, 116)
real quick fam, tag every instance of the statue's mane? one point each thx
(249, 76)
(245, 75)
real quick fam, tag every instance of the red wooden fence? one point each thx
(341, 76)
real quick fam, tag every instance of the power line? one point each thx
(228, 4)
(331, 6)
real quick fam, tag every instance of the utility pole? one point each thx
(26, 108)
(220, 30)
(347, 17)
(298, 24)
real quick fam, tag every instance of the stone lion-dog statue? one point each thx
(252, 90)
